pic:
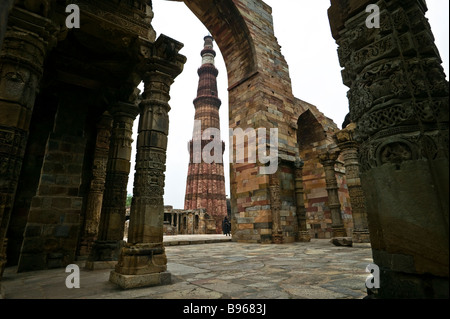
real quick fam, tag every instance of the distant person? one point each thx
(226, 227)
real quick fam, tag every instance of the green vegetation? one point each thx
(129, 197)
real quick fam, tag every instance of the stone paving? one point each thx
(315, 270)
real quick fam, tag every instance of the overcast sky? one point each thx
(303, 31)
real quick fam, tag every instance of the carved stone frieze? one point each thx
(133, 16)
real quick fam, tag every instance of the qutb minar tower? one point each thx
(205, 186)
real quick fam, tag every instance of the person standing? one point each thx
(226, 226)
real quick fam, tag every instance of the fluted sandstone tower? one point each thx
(205, 186)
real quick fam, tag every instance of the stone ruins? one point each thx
(69, 98)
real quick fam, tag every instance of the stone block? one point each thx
(32, 245)
(62, 231)
(262, 226)
(342, 241)
(62, 202)
(137, 281)
(245, 220)
(33, 230)
(245, 226)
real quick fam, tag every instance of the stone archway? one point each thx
(260, 96)
(398, 99)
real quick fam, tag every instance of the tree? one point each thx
(129, 197)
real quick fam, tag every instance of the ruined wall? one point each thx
(55, 216)
(188, 222)
(314, 134)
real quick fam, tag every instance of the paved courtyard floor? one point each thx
(218, 270)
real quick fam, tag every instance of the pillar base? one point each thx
(399, 285)
(304, 236)
(142, 259)
(338, 232)
(138, 281)
(277, 238)
(361, 236)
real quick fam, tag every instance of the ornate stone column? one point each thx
(95, 196)
(105, 251)
(349, 151)
(275, 204)
(303, 233)
(21, 68)
(399, 100)
(143, 261)
(328, 160)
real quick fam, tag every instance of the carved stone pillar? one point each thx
(21, 67)
(328, 160)
(105, 251)
(95, 196)
(143, 261)
(275, 204)
(349, 151)
(399, 100)
(303, 233)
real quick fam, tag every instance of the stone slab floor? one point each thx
(315, 270)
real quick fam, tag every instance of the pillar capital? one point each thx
(161, 60)
(345, 138)
(124, 110)
(161, 65)
(329, 157)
